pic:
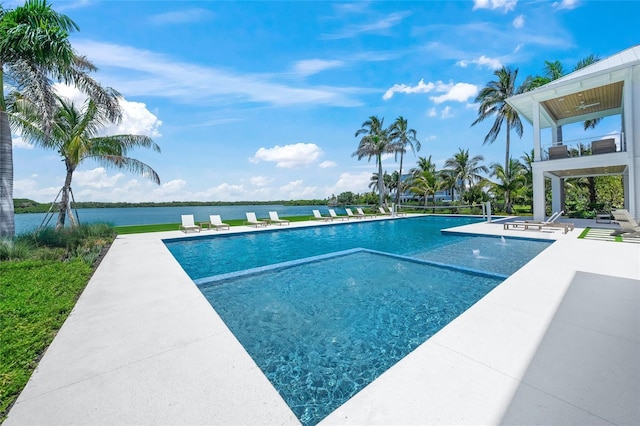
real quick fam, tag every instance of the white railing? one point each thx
(595, 145)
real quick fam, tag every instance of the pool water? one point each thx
(324, 330)
(323, 311)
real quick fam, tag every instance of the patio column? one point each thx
(557, 194)
(538, 195)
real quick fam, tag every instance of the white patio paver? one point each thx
(143, 346)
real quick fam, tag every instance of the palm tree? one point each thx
(374, 143)
(401, 137)
(553, 71)
(425, 184)
(492, 101)
(510, 180)
(465, 170)
(75, 136)
(34, 50)
(527, 159)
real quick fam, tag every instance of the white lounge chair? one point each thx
(360, 212)
(551, 223)
(397, 212)
(215, 222)
(273, 218)
(188, 224)
(253, 221)
(333, 215)
(628, 224)
(350, 214)
(318, 216)
(383, 211)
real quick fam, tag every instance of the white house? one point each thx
(607, 88)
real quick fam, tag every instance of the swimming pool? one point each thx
(323, 311)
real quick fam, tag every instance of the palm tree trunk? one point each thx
(64, 203)
(506, 160)
(399, 180)
(380, 180)
(7, 218)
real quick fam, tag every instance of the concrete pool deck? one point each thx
(558, 342)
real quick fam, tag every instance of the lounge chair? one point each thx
(333, 215)
(397, 212)
(318, 216)
(551, 223)
(360, 212)
(273, 218)
(383, 211)
(628, 224)
(188, 224)
(350, 214)
(215, 222)
(253, 221)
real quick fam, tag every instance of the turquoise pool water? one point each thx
(323, 311)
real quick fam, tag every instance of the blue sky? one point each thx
(261, 100)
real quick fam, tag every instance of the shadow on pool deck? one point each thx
(588, 357)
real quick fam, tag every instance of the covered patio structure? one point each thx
(609, 87)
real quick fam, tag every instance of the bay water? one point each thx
(118, 216)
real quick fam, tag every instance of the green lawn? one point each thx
(37, 297)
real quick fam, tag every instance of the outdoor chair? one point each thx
(253, 221)
(359, 210)
(188, 224)
(333, 215)
(628, 224)
(273, 218)
(318, 216)
(215, 222)
(353, 215)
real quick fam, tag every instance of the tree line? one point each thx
(463, 173)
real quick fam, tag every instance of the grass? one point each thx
(37, 296)
(138, 229)
(42, 274)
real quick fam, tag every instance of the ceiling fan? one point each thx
(582, 105)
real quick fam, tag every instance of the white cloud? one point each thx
(459, 92)
(507, 5)
(379, 26)
(260, 181)
(136, 118)
(289, 156)
(421, 87)
(355, 182)
(175, 186)
(20, 142)
(482, 61)
(518, 22)
(432, 112)
(296, 190)
(185, 16)
(226, 191)
(327, 164)
(314, 66)
(446, 113)
(566, 4)
(153, 74)
(96, 178)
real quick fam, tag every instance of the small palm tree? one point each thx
(402, 137)
(425, 184)
(75, 136)
(465, 171)
(510, 180)
(493, 103)
(374, 143)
